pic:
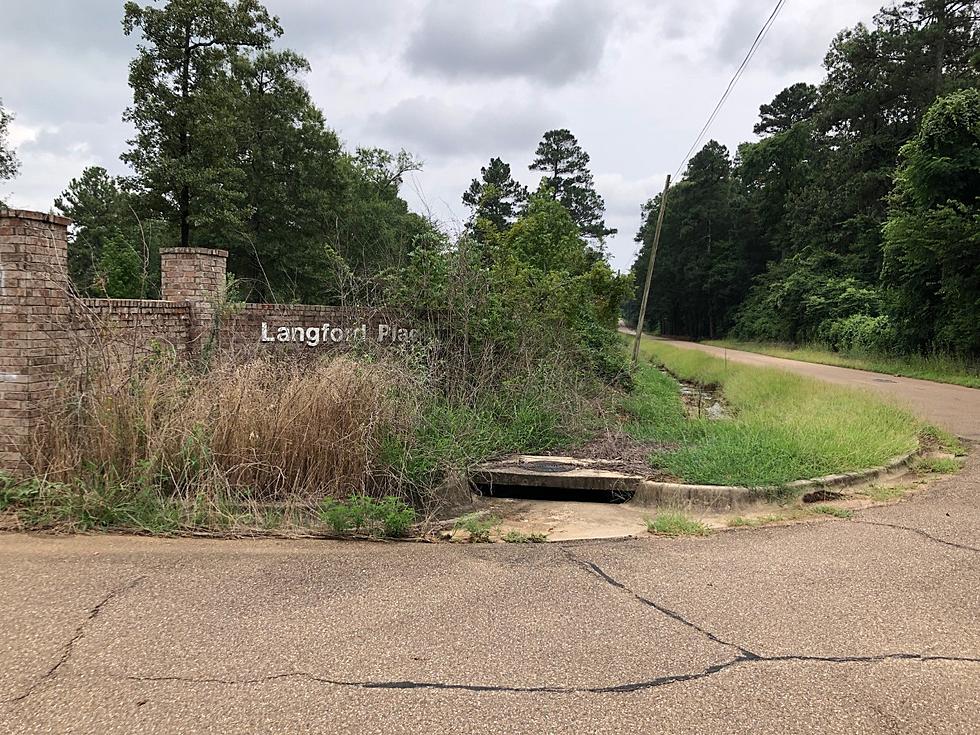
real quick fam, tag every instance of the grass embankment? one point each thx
(939, 368)
(783, 428)
(333, 444)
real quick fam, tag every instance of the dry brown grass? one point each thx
(268, 429)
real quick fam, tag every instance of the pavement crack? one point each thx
(69, 648)
(624, 688)
(599, 572)
(394, 684)
(920, 532)
(870, 659)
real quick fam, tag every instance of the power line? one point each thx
(760, 36)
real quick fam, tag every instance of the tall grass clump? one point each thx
(264, 430)
(783, 427)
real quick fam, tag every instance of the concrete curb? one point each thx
(721, 497)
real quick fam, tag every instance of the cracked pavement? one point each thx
(863, 626)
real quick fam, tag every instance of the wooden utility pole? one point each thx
(646, 288)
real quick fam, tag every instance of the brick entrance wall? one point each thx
(48, 335)
(35, 323)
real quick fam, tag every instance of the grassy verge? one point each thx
(939, 368)
(343, 443)
(784, 427)
(675, 523)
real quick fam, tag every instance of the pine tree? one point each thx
(495, 197)
(185, 109)
(568, 179)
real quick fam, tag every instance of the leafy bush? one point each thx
(390, 517)
(858, 333)
(523, 323)
(478, 526)
(799, 298)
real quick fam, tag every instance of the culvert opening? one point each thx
(542, 492)
(822, 496)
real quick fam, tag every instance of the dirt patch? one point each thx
(621, 453)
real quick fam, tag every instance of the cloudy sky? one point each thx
(453, 81)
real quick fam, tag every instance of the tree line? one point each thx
(230, 151)
(854, 219)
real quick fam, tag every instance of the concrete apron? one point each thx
(563, 519)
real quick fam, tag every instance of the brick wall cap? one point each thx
(36, 216)
(90, 301)
(213, 252)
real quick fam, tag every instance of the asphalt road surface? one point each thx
(864, 626)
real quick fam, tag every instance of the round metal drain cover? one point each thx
(542, 465)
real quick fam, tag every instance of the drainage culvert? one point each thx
(530, 477)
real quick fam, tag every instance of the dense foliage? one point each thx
(495, 198)
(230, 151)
(853, 220)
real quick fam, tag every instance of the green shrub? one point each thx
(336, 515)
(397, 517)
(478, 526)
(858, 333)
(389, 517)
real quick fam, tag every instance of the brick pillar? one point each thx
(195, 276)
(34, 324)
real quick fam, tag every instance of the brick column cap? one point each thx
(213, 252)
(55, 219)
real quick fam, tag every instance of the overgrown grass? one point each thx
(784, 427)
(159, 445)
(676, 523)
(884, 493)
(833, 510)
(939, 368)
(538, 415)
(936, 465)
(390, 516)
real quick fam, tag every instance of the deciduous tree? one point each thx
(932, 237)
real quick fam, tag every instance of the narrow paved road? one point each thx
(952, 406)
(863, 626)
